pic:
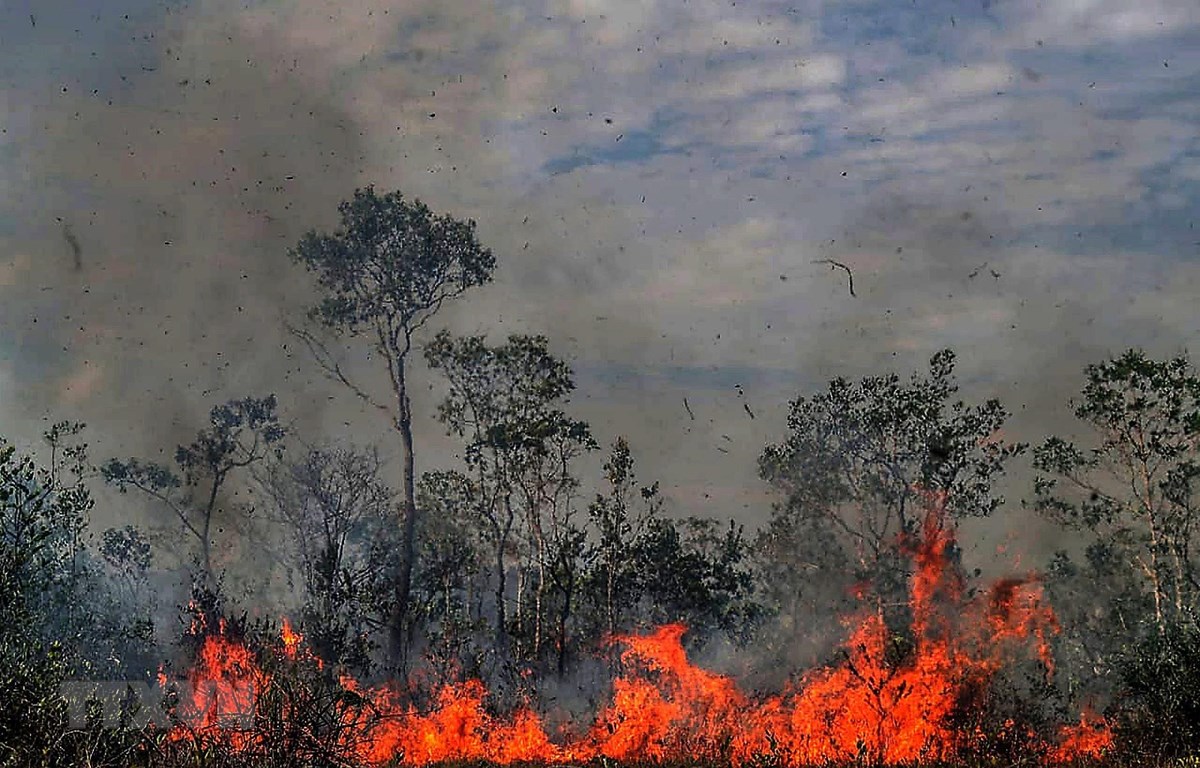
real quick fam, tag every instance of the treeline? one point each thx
(517, 568)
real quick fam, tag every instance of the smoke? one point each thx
(159, 160)
(172, 161)
(148, 269)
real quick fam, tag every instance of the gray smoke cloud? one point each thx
(657, 184)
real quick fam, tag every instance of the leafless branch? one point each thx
(328, 364)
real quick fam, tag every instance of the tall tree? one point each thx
(385, 272)
(642, 569)
(695, 571)
(503, 402)
(859, 456)
(1135, 489)
(240, 434)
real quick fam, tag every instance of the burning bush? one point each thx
(941, 700)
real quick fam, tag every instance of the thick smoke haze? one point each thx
(1015, 181)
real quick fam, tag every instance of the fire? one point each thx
(291, 639)
(224, 683)
(870, 706)
(669, 708)
(1090, 738)
(458, 727)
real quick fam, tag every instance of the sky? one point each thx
(659, 180)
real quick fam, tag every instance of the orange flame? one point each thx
(1090, 738)
(291, 639)
(664, 708)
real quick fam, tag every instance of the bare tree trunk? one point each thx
(609, 588)
(540, 589)
(400, 611)
(503, 532)
(206, 555)
(563, 617)
(519, 616)
(501, 617)
(537, 613)
(1156, 540)
(1152, 574)
(206, 532)
(1179, 583)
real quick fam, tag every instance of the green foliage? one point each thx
(452, 574)
(391, 264)
(519, 485)
(619, 518)
(860, 457)
(1159, 710)
(1134, 490)
(1101, 604)
(695, 573)
(59, 615)
(643, 570)
(385, 272)
(516, 579)
(880, 442)
(501, 399)
(337, 512)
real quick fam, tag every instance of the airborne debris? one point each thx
(76, 251)
(839, 265)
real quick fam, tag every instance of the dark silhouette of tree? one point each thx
(60, 619)
(695, 571)
(240, 434)
(450, 581)
(385, 272)
(640, 569)
(334, 503)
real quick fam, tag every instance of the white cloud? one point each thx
(750, 80)
(1079, 23)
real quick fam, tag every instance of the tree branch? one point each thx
(330, 366)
